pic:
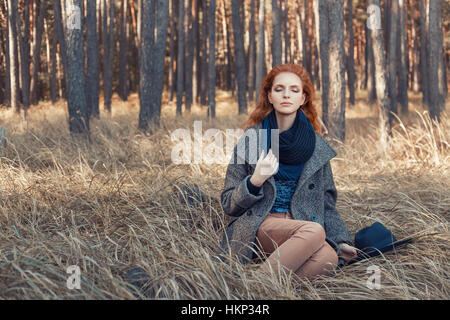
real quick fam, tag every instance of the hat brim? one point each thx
(374, 252)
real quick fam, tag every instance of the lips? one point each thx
(286, 103)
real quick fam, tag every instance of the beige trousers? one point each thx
(297, 245)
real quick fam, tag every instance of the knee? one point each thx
(329, 257)
(332, 256)
(318, 231)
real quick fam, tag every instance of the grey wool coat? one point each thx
(314, 198)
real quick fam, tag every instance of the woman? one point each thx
(283, 202)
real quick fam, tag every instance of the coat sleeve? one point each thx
(334, 226)
(236, 198)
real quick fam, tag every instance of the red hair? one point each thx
(264, 107)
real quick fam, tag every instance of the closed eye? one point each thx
(294, 90)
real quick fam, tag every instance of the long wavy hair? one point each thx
(264, 107)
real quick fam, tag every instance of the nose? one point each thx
(286, 93)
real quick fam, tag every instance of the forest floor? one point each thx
(117, 201)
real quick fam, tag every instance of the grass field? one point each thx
(116, 202)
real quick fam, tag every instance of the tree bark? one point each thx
(123, 52)
(435, 59)
(204, 56)
(92, 74)
(424, 76)
(240, 56)
(384, 125)
(416, 50)
(53, 79)
(321, 17)
(108, 50)
(151, 86)
(12, 35)
(336, 69)
(350, 56)
(24, 50)
(260, 47)
(180, 58)
(392, 56)
(251, 53)
(402, 59)
(188, 74)
(212, 59)
(300, 32)
(370, 69)
(75, 82)
(276, 33)
(36, 53)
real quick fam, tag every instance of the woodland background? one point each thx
(87, 111)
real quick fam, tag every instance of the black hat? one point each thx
(374, 240)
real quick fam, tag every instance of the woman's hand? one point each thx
(265, 168)
(347, 251)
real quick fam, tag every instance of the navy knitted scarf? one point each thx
(296, 145)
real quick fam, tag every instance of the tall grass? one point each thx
(117, 201)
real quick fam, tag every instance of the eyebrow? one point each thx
(280, 85)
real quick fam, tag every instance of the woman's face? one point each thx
(286, 94)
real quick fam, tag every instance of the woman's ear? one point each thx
(269, 96)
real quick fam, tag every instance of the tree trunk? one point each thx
(251, 53)
(240, 56)
(435, 59)
(350, 56)
(212, 60)
(370, 69)
(180, 58)
(384, 125)
(336, 69)
(92, 74)
(173, 49)
(402, 67)
(392, 56)
(300, 32)
(260, 47)
(24, 50)
(108, 49)
(305, 38)
(53, 79)
(416, 51)
(231, 57)
(75, 82)
(123, 52)
(204, 58)
(226, 46)
(188, 74)
(196, 51)
(286, 33)
(12, 35)
(36, 53)
(276, 33)
(424, 76)
(151, 86)
(322, 32)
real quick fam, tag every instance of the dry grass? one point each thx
(114, 202)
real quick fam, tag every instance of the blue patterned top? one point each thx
(285, 190)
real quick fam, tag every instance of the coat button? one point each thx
(249, 212)
(311, 186)
(314, 218)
